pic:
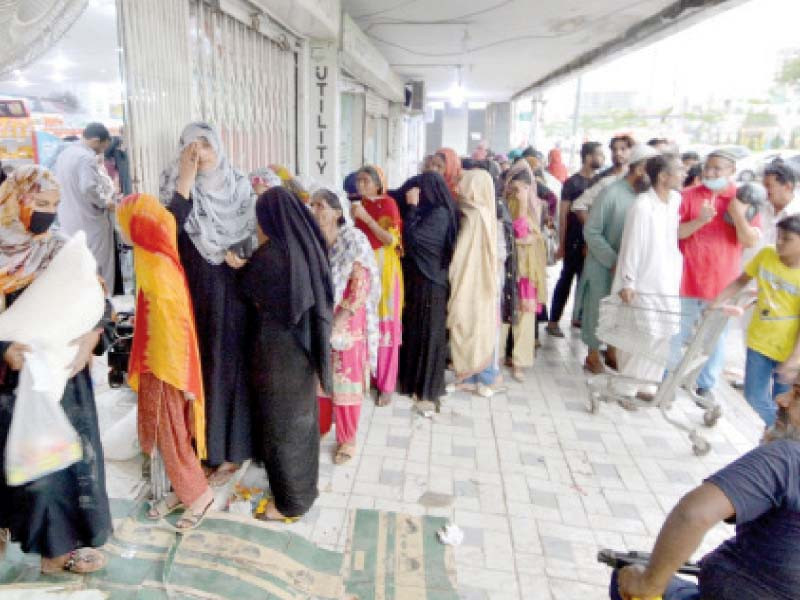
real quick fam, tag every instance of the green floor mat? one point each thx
(388, 557)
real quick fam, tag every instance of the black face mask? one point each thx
(41, 222)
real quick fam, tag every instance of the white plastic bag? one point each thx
(63, 303)
(41, 439)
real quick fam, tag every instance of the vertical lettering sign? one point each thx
(323, 90)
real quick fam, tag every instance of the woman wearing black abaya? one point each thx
(213, 208)
(429, 234)
(288, 284)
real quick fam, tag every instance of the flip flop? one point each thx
(343, 454)
(80, 562)
(161, 509)
(263, 509)
(193, 518)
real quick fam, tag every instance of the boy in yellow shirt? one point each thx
(773, 348)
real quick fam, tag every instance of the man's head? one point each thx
(787, 422)
(666, 172)
(637, 167)
(660, 144)
(788, 240)
(97, 137)
(592, 155)
(780, 181)
(718, 170)
(620, 147)
(690, 159)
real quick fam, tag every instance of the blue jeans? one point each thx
(762, 386)
(488, 375)
(678, 589)
(691, 311)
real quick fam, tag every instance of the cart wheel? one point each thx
(700, 446)
(711, 416)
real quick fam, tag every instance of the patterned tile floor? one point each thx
(537, 483)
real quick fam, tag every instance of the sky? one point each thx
(735, 54)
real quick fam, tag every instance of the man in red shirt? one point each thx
(712, 247)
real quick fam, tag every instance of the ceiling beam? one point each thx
(677, 16)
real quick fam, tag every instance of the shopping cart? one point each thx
(646, 328)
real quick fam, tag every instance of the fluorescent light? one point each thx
(61, 62)
(456, 95)
(436, 105)
(477, 105)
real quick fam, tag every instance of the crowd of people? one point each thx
(268, 307)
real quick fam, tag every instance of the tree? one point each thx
(789, 74)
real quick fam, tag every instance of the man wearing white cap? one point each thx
(712, 249)
(603, 234)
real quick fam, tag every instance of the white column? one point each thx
(323, 103)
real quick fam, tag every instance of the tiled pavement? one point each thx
(537, 483)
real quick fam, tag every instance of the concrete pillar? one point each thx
(455, 128)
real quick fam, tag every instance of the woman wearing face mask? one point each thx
(378, 217)
(213, 208)
(526, 208)
(64, 515)
(354, 342)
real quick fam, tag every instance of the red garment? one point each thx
(384, 210)
(452, 169)
(555, 164)
(712, 257)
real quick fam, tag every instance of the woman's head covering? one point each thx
(266, 176)
(555, 164)
(22, 255)
(165, 340)
(452, 169)
(534, 203)
(349, 184)
(222, 210)
(434, 193)
(474, 277)
(378, 174)
(287, 222)
(282, 172)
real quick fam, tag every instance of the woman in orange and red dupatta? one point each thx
(447, 163)
(377, 215)
(165, 360)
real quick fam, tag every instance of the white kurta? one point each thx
(650, 263)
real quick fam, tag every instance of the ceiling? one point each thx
(504, 46)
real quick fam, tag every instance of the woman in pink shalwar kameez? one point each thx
(354, 340)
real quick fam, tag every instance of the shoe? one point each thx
(646, 396)
(702, 392)
(484, 391)
(593, 364)
(554, 330)
(576, 324)
(518, 373)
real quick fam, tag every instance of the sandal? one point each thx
(384, 399)
(518, 374)
(222, 475)
(262, 513)
(344, 453)
(161, 509)
(193, 519)
(80, 562)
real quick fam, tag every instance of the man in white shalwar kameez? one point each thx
(650, 267)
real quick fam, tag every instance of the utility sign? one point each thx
(323, 92)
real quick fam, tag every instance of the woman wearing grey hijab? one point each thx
(214, 211)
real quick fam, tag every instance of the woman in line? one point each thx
(165, 361)
(65, 515)
(429, 236)
(556, 166)
(287, 283)
(213, 208)
(525, 209)
(473, 311)
(447, 163)
(376, 215)
(263, 179)
(354, 342)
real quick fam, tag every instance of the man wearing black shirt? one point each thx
(571, 232)
(760, 494)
